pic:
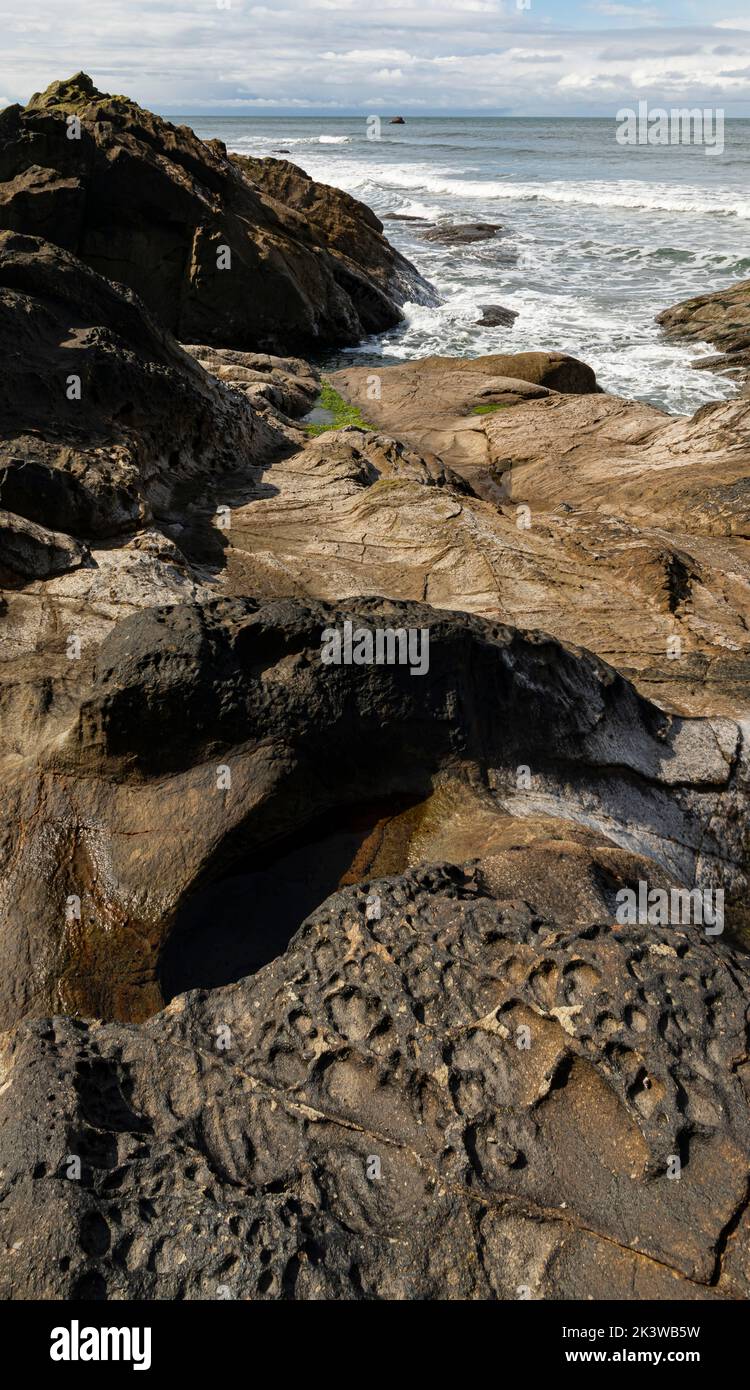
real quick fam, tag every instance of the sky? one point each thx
(424, 57)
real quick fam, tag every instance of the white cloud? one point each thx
(368, 56)
(189, 55)
(615, 11)
(588, 82)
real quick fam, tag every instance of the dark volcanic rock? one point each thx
(346, 227)
(218, 258)
(401, 217)
(431, 1095)
(464, 233)
(495, 316)
(103, 417)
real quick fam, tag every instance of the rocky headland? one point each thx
(266, 261)
(313, 984)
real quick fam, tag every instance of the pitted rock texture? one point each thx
(451, 1100)
(344, 1110)
(155, 208)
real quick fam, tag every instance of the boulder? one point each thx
(438, 404)
(463, 233)
(216, 257)
(402, 217)
(495, 316)
(28, 551)
(721, 317)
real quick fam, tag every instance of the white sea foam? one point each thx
(363, 178)
(626, 357)
(253, 144)
(586, 262)
(411, 208)
(625, 194)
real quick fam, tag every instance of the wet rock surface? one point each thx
(463, 233)
(495, 316)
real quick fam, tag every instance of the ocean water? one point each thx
(596, 237)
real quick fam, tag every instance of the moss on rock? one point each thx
(343, 414)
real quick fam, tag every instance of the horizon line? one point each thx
(294, 113)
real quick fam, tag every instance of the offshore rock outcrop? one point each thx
(216, 257)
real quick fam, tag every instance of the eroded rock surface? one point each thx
(463, 233)
(185, 782)
(196, 739)
(440, 1096)
(610, 523)
(28, 551)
